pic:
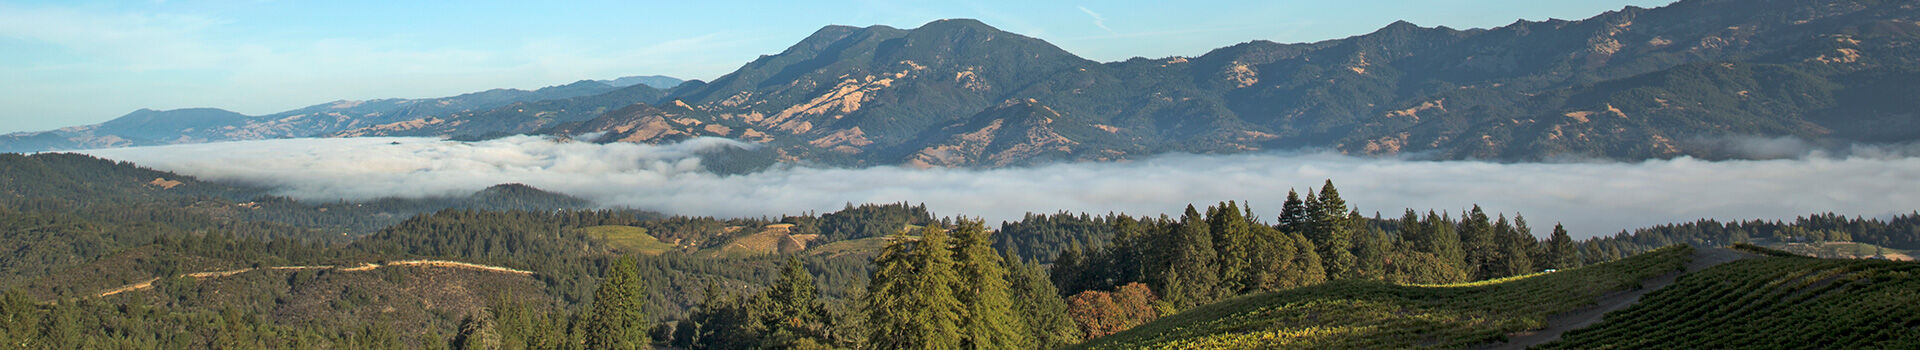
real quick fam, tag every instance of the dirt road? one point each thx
(1558, 324)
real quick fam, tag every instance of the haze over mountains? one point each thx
(1702, 78)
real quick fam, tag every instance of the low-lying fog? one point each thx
(1590, 198)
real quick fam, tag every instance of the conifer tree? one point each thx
(912, 302)
(1481, 245)
(618, 319)
(1041, 306)
(1370, 254)
(1560, 247)
(1332, 232)
(1293, 214)
(1443, 242)
(1232, 240)
(1194, 258)
(989, 321)
(794, 317)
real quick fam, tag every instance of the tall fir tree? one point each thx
(912, 302)
(618, 319)
(794, 316)
(1195, 260)
(1481, 244)
(1293, 214)
(1232, 241)
(1441, 240)
(1561, 247)
(1332, 232)
(990, 320)
(1041, 306)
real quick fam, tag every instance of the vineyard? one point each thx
(1773, 302)
(1382, 315)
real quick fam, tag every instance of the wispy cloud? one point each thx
(1098, 20)
(1591, 198)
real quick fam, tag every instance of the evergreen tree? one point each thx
(1041, 306)
(795, 317)
(1480, 243)
(618, 319)
(1195, 260)
(1440, 239)
(990, 321)
(1332, 232)
(1232, 241)
(1370, 254)
(912, 299)
(1560, 247)
(1293, 214)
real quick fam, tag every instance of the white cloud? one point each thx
(1098, 20)
(1591, 198)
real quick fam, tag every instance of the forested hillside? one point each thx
(106, 254)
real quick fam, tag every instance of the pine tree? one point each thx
(990, 321)
(618, 319)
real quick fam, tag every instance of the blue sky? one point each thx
(67, 63)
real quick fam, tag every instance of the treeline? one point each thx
(1228, 251)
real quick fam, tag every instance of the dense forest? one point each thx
(101, 254)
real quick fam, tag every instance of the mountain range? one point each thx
(1695, 78)
(147, 127)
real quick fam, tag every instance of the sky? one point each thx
(67, 63)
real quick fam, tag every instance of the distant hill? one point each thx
(198, 125)
(655, 81)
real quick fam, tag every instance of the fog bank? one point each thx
(1590, 198)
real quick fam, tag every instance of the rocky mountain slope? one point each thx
(1702, 78)
(1697, 78)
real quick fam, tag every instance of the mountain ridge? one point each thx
(1630, 84)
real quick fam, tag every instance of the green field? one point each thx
(1382, 315)
(629, 239)
(1771, 302)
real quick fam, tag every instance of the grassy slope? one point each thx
(1380, 315)
(1770, 302)
(630, 239)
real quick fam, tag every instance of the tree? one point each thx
(618, 319)
(990, 321)
(1481, 245)
(911, 298)
(1232, 241)
(1332, 232)
(1101, 313)
(1195, 260)
(794, 316)
(1040, 305)
(1561, 249)
(1370, 253)
(1293, 214)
